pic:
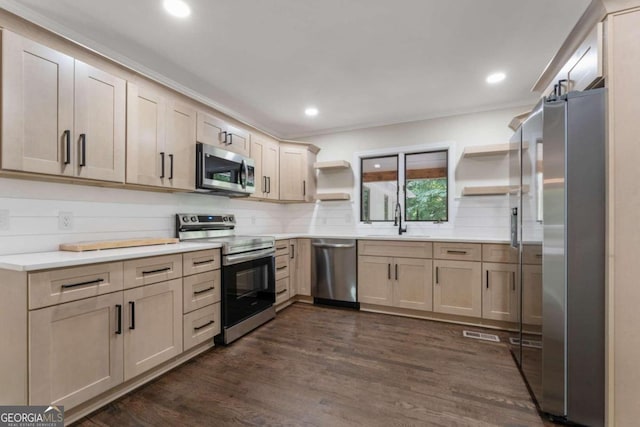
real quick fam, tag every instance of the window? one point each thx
(426, 187)
(379, 191)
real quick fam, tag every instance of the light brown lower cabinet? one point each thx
(532, 295)
(75, 350)
(398, 282)
(302, 258)
(457, 287)
(153, 325)
(201, 325)
(499, 291)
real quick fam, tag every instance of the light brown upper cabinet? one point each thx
(297, 176)
(100, 105)
(266, 154)
(161, 140)
(215, 131)
(40, 93)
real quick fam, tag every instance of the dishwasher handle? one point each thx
(334, 245)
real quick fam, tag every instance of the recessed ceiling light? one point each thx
(495, 78)
(377, 166)
(311, 111)
(177, 8)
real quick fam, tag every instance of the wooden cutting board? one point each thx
(113, 244)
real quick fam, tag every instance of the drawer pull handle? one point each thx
(281, 292)
(206, 261)
(396, 266)
(538, 255)
(457, 252)
(160, 270)
(281, 268)
(132, 306)
(514, 280)
(292, 251)
(210, 322)
(90, 282)
(279, 248)
(119, 315)
(204, 290)
(437, 275)
(487, 279)
(389, 271)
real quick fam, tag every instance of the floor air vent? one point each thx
(526, 343)
(480, 336)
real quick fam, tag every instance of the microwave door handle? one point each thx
(245, 172)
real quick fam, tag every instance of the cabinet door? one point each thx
(146, 111)
(271, 169)
(303, 267)
(153, 325)
(37, 107)
(211, 130)
(413, 283)
(499, 292)
(294, 265)
(75, 350)
(532, 295)
(238, 140)
(292, 173)
(374, 280)
(257, 154)
(180, 147)
(100, 105)
(457, 288)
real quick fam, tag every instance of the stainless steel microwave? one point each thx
(223, 172)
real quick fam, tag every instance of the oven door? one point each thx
(249, 287)
(224, 171)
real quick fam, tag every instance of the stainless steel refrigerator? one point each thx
(563, 363)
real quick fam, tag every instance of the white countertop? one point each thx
(387, 237)
(57, 259)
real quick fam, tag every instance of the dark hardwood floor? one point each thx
(317, 366)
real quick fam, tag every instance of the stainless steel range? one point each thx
(248, 271)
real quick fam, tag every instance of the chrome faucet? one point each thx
(398, 220)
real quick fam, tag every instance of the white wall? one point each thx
(480, 216)
(107, 213)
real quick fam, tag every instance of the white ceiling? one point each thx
(361, 62)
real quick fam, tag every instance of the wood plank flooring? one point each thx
(315, 366)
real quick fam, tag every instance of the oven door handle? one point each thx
(247, 256)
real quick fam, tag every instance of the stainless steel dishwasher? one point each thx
(333, 272)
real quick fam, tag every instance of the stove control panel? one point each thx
(205, 222)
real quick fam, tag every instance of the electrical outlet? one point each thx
(65, 220)
(4, 219)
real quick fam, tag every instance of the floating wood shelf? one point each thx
(492, 190)
(518, 120)
(491, 150)
(337, 164)
(333, 196)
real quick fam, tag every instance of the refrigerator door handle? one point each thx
(514, 227)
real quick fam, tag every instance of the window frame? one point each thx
(400, 151)
(406, 216)
(361, 207)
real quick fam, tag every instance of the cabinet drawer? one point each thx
(282, 290)
(144, 271)
(200, 290)
(532, 254)
(282, 247)
(282, 266)
(201, 325)
(70, 284)
(200, 261)
(394, 248)
(499, 253)
(457, 251)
